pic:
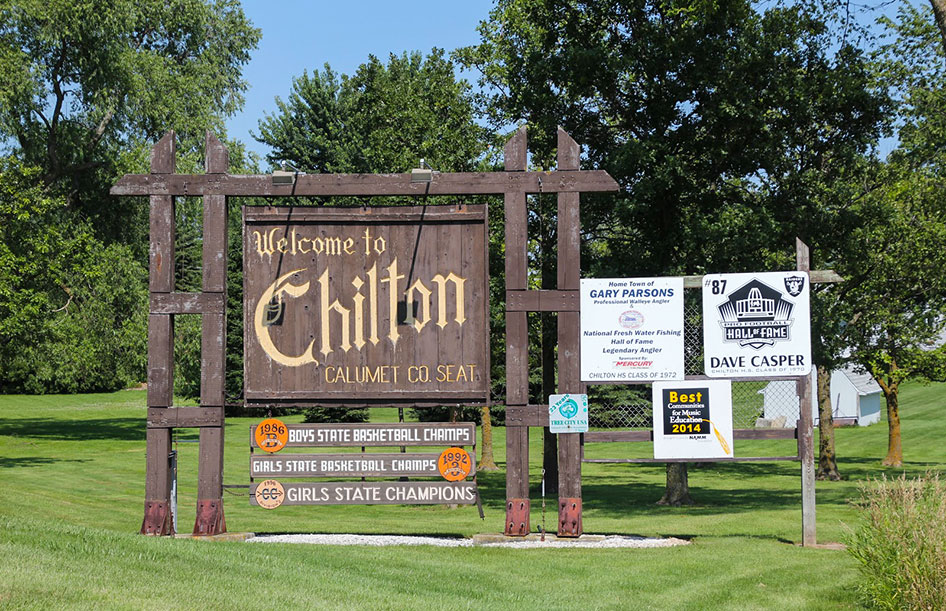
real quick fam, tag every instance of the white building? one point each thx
(855, 399)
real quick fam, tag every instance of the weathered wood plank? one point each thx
(453, 213)
(368, 185)
(187, 303)
(184, 417)
(212, 358)
(817, 276)
(626, 436)
(665, 460)
(805, 434)
(569, 381)
(160, 360)
(542, 301)
(527, 415)
(378, 434)
(375, 493)
(348, 465)
(396, 398)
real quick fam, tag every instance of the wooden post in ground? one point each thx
(210, 517)
(158, 519)
(517, 344)
(805, 431)
(569, 375)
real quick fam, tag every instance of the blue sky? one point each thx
(300, 36)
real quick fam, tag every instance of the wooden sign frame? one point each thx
(162, 185)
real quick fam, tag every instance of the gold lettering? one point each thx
(262, 244)
(425, 304)
(441, 283)
(373, 303)
(359, 300)
(349, 243)
(324, 320)
(276, 289)
(392, 279)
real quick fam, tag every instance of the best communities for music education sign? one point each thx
(631, 329)
(693, 419)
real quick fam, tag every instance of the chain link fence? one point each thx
(759, 403)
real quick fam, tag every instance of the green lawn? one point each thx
(73, 478)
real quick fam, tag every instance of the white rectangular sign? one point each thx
(568, 413)
(757, 324)
(631, 329)
(693, 419)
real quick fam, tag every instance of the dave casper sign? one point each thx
(757, 325)
(353, 305)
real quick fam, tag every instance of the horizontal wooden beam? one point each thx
(527, 415)
(188, 303)
(817, 276)
(184, 417)
(666, 460)
(460, 183)
(626, 436)
(542, 301)
(367, 214)
(341, 398)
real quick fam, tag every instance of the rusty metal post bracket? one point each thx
(157, 520)
(569, 517)
(517, 517)
(210, 520)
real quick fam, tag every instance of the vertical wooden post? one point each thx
(210, 517)
(157, 518)
(805, 433)
(517, 345)
(569, 375)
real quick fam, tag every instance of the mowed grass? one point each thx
(72, 472)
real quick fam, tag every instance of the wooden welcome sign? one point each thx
(356, 306)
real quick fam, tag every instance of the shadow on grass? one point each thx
(121, 429)
(34, 461)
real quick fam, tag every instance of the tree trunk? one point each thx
(939, 11)
(678, 488)
(894, 448)
(487, 463)
(827, 458)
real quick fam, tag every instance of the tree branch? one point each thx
(939, 10)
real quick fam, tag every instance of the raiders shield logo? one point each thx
(795, 285)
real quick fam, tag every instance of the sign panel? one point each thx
(568, 413)
(693, 419)
(353, 306)
(631, 329)
(363, 493)
(352, 465)
(757, 325)
(377, 434)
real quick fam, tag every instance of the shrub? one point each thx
(901, 543)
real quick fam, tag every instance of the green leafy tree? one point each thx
(384, 118)
(84, 86)
(896, 301)
(73, 311)
(732, 127)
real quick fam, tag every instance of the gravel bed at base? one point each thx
(611, 541)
